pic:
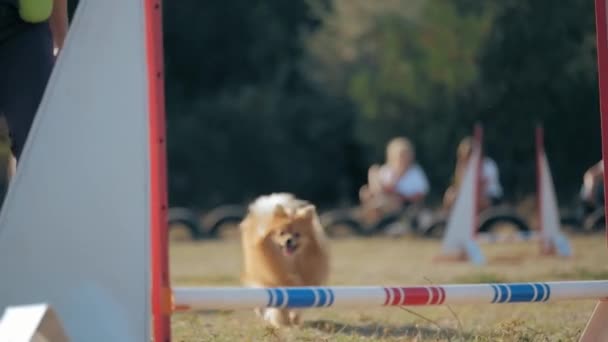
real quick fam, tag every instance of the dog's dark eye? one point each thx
(297, 235)
(282, 233)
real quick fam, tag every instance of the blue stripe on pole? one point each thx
(322, 297)
(301, 298)
(522, 293)
(540, 292)
(325, 294)
(504, 293)
(280, 297)
(496, 291)
(270, 297)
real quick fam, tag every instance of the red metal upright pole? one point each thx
(161, 290)
(602, 66)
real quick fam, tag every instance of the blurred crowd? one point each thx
(401, 181)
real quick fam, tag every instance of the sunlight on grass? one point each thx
(404, 261)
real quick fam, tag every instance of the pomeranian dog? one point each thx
(283, 244)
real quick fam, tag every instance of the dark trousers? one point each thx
(26, 61)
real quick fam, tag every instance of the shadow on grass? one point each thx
(373, 330)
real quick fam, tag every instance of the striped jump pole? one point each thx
(234, 298)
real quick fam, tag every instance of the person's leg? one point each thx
(26, 61)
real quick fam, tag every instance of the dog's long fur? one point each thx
(283, 244)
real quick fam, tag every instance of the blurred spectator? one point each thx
(592, 192)
(399, 182)
(490, 182)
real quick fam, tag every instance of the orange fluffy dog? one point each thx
(283, 245)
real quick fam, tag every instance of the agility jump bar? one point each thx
(234, 298)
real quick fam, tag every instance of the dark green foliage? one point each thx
(539, 64)
(301, 95)
(243, 120)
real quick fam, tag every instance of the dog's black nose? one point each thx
(289, 242)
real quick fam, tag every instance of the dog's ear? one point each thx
(307, 212)
(280, 212)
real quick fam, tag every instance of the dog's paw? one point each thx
(259, 312)
(277, 317)
(295, 317)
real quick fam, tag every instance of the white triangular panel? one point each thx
(550, 223)
(74, 230)
(31, 323)
(458, 236)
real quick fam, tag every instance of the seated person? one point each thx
(400, 181)
(490, 182)
(592, 192)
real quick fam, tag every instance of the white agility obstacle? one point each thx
(459, 239)
(31, 323)
(461, 236)
(83, 228)
(551, 238)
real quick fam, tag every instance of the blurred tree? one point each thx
(243, 119)
(302, 95)
(213, 46)
(430, 69)
(539, 64)
(405, 71)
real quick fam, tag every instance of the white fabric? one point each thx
(413, 182)
(491, 176)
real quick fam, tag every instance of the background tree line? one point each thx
(302, 95)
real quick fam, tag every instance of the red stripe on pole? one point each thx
(435, 295)
(416, 296)
(396, 296)
(442, 291)
(161, 300)
(387, 292)
(602, 66)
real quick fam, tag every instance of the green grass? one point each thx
(405, 261)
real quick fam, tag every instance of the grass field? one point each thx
(403, 261)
